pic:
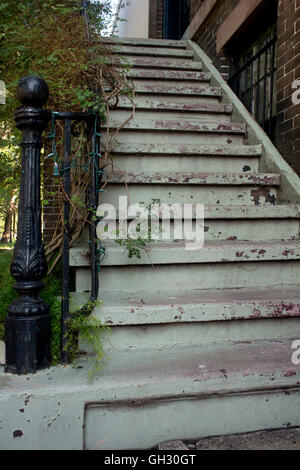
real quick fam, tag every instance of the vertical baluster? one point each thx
(66, 241)
(257, 107)
(265, 90)
(93, 228)
(272, 88)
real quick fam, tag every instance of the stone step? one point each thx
(252, 213)
(139, 114)
(146, 84)
(175, 253)
(232, 179)
(161, 63)
(182, 90)
(229, 229)
(219, 389)
(284, 211)
(164, 43)
(179, 125)
(171, 149)
(175, 75)
(182, 194)
(248, 223)
(194, 306)
(182, 138)
(161, 105)
(221, 275)
(142, 320)
(185, 393)
(195, 157)
(131, 50)
(196, 163)
(251, 223)
(185, 103)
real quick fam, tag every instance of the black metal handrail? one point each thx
(27, 331)
(69, 130)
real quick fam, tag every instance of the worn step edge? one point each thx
(160, 105)
(149, 42)
(153, 89)
(160, 64)
(259, 366)
(197, 150)
(124, 50)
(172, 253)
(242, 213)
(235, 179)
(166, 307)
(284, 211)
(176, 75)
(180, 125)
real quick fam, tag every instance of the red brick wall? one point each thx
(156, 19)
(206, 36)
(50, 210)
(288, 70)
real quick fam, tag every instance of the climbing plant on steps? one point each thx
(59, 43)
(55, 41)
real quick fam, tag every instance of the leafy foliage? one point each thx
(136, 244)
(50, 39)
(61, 43)
(53, 39)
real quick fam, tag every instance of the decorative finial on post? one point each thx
(33, 91)
(27, 330)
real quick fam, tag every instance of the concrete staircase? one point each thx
(201, 340)
(223, 313)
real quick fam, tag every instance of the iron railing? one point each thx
(71, 120)
(27, 329)
(254, 84)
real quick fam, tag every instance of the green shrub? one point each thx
(7, 293)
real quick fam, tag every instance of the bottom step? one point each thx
(186, 393)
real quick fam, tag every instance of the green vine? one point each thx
(135, 246)
(91, 332)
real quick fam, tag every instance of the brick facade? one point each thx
(288, 63)
(288, 70)
(206, 37)
(50, 210)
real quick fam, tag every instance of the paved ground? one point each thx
(283, 439)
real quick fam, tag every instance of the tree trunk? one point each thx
(7, 228)
(6, 236)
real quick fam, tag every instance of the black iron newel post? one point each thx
(27, 333)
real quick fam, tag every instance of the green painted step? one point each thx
(120, 308)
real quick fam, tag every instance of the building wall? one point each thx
(156, 8)
(213, 16)
(288, 70)
(50, 210)
(207, 36)
(136, 16)
(195, 4)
